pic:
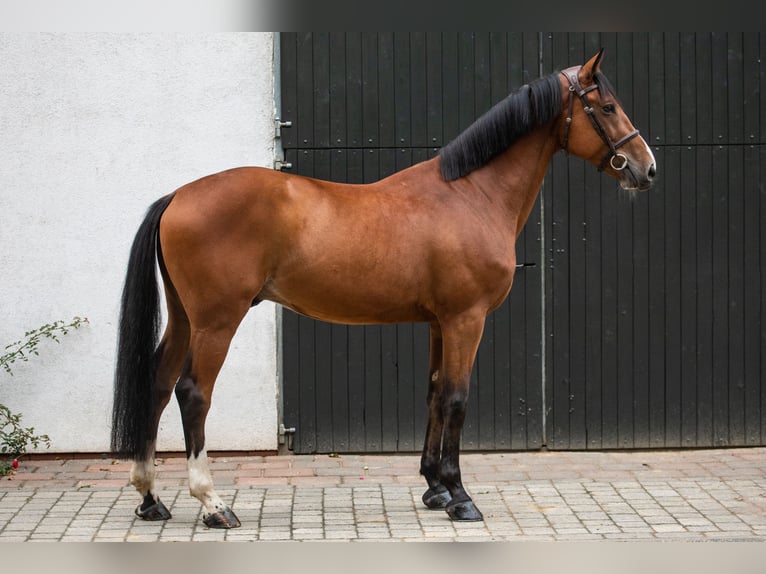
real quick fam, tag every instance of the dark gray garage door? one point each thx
(635, 322)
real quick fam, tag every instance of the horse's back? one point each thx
(390, 251)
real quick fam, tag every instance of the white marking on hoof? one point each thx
(201, 484)
(435, 376)
(142, 474)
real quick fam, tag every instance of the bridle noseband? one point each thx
(574, 88)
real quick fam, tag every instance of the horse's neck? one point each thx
(517, 174)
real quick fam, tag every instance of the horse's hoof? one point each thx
(437, 498)
(156, 511)
(223, 519)
(465, 511)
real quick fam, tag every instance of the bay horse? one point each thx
(432, 243)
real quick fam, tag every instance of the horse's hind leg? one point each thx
(171, 351)
(194, 390)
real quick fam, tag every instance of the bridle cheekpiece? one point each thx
(617, 160)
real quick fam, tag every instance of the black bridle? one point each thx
(574, 88)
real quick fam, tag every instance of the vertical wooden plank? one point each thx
(373, 379)
(736, 304)
(467, 77)
(753, 284)
(667, 387)
(356, 389)
(354, 89)
(664, 121)
(699, 291)
(421, 343)
(720, 251)
(735, 88)
(671, 93)
(504, 367)
(338, 165)
(482, 394)
(688, 88)
(370, 92)
(593, 326)
(639, 110)
(324, 387)
(405, 388)
(654, 131)
(751, 88)
(609, 319)
(386, 83)
(340, 388)
(338, 103)
(450, 86)
(498, 66)
(307, 385)
(288, 85)
(434, 106)
(355, 166)
(689, 293)
(304, 117)
(389, 412)
(290, 375)
(762, 236)
(657, 309)
(736, 81)
(482, 78)
(418, 101)
(761, 87)
(321, 89)
(402, 88)
(706, 89)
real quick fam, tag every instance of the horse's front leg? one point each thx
(437, 496)
(461, 341)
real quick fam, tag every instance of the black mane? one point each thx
(530, 106)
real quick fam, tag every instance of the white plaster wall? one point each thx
(93, 128)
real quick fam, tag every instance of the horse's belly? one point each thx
(350, 303)
(355, 314)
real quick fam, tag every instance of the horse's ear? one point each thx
(593, 65)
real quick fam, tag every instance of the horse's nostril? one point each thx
(652, 170)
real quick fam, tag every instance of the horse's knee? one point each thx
(453, 405)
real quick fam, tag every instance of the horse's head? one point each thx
(597, 129)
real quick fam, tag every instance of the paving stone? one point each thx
(703, 495)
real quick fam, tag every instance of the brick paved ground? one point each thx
(668, 495)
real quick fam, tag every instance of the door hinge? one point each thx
(284, 431)
(278, 125)
(279, 162)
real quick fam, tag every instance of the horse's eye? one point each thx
(608, 109)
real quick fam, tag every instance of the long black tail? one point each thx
(135, 372)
